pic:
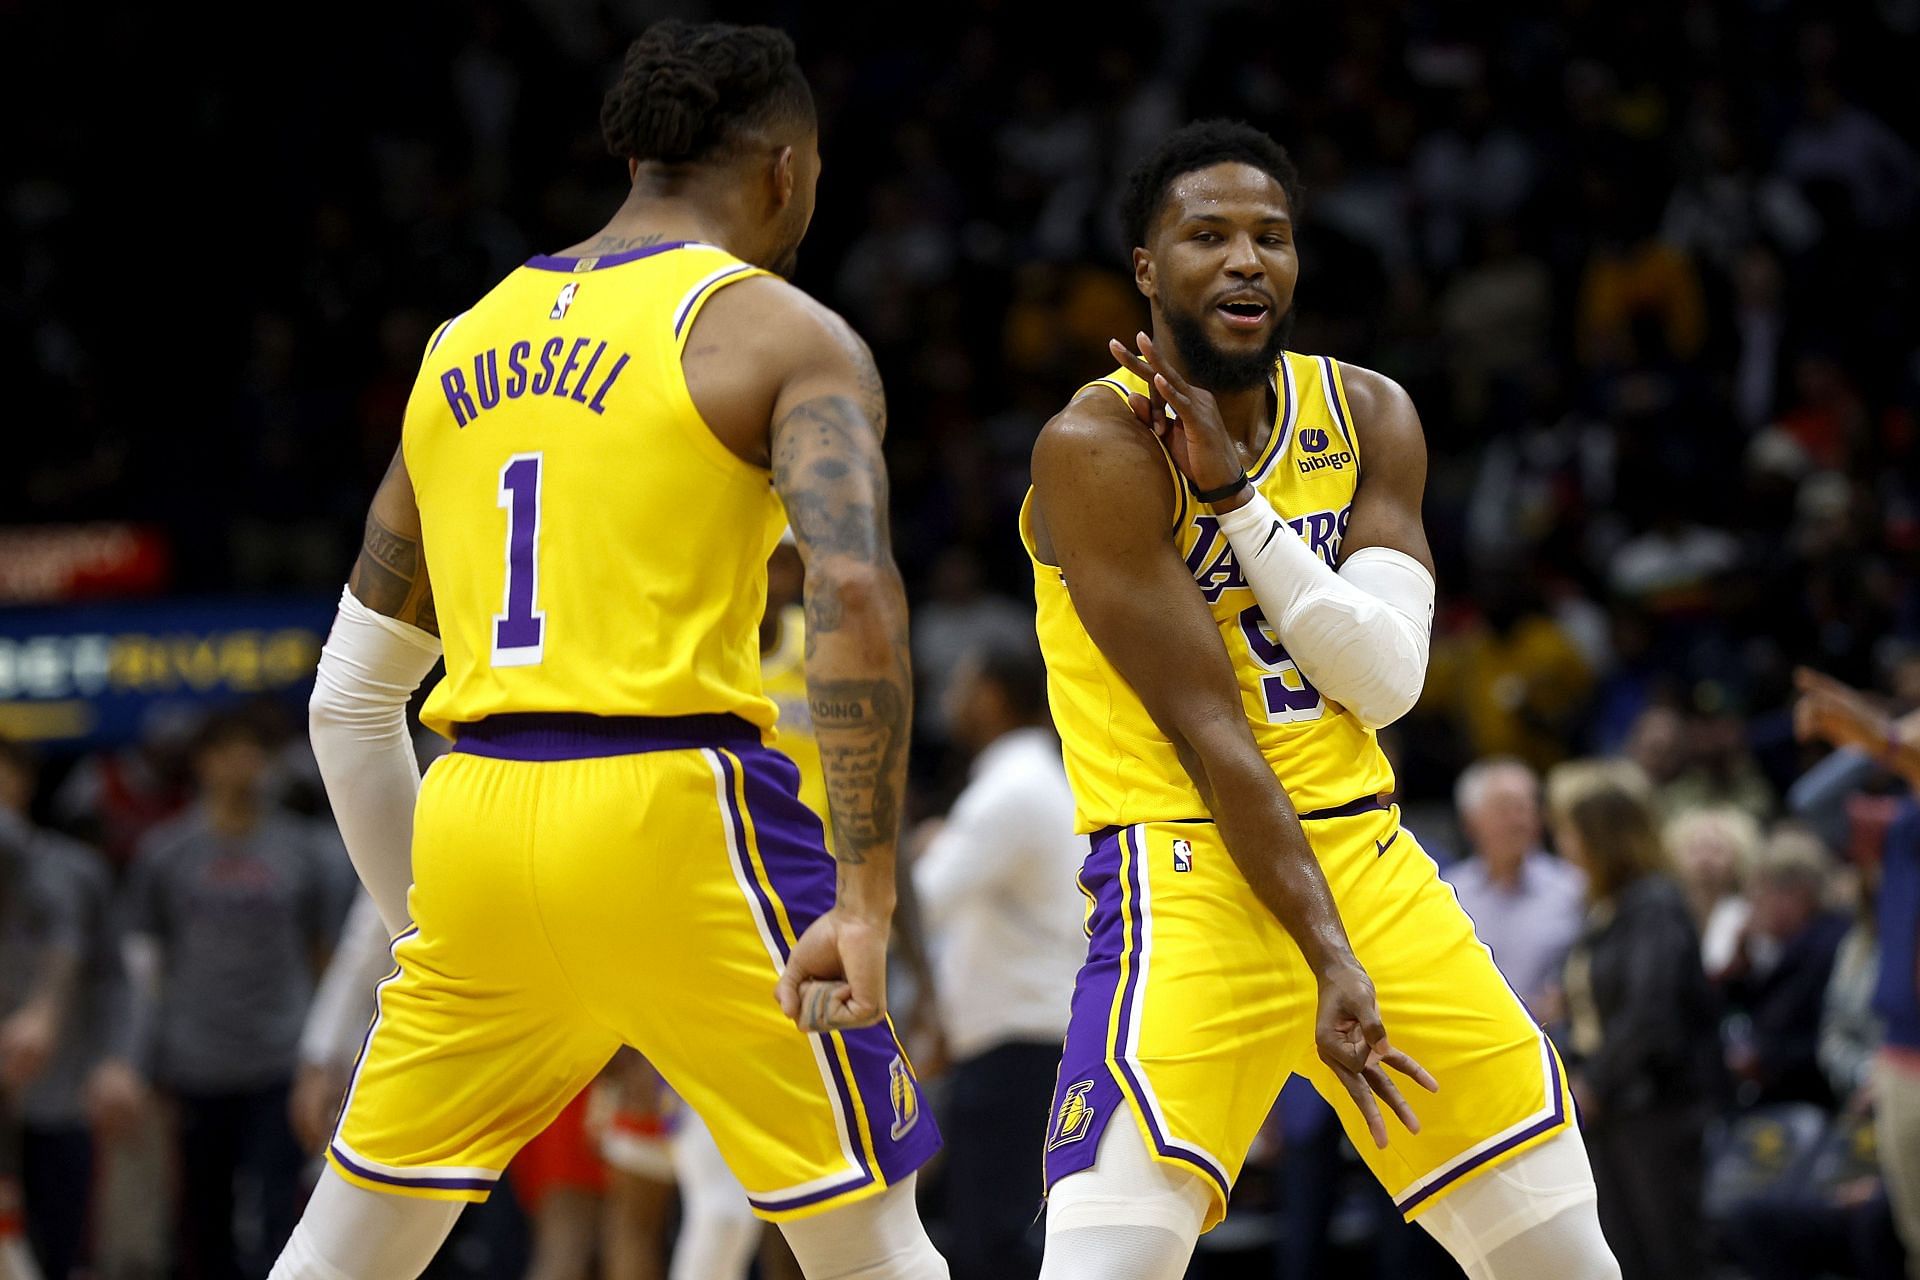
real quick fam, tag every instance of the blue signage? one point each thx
(85, 675)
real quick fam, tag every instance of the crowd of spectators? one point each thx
(1647, 269)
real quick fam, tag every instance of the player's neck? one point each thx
(644, 221)
(1247, 415)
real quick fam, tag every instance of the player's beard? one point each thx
(1221, 371)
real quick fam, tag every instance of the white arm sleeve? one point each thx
(343, 1002)
(1359, 636)
(358, 721)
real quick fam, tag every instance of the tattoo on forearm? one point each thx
(862, 726)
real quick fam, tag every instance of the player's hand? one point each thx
(1195, 437)
(1831, 712)
(1353, 1043)
(314, 1103)
(836, 977)
(116, 1098)
(27, 1039)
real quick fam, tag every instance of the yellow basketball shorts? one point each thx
(583, 883)
(1194, 1006)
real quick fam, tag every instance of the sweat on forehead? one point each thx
(1206, 147)
(1229, 189)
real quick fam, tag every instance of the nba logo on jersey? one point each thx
(564, 301)
(1182, 855)
(1313, 440)
(1075, 1118)
(906, 1100)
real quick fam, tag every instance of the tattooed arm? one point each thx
(390, 576)
(785, 384)
(827, 425)
(385, 639)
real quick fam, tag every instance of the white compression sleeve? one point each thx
(358, 721)
(1360, 636)
(350, 1233)
(343, 1002)
(1129, 1217)
(879, 1238)
(1535, 1215)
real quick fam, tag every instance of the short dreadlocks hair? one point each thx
(689, 92)
(1202, 143)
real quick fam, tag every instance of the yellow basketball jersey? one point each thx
(1123, 769)
(593, 546)
(783, 671)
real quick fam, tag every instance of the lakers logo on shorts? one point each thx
(1075, 1118)
(906, 1099)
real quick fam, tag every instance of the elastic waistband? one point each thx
(566, 735)
(1352, 808)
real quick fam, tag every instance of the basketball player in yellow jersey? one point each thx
(1231, 600)
(597, 459)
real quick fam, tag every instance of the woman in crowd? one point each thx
(1641, 1049)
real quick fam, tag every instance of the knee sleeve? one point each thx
(350, 1233)
(880, 1238)
(1533, 1216)
(1129, 1217)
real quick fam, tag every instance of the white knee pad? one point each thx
(1531, 1216)
(1129, 1217)
(350, 1233)
(880, 1238)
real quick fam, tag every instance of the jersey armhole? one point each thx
(696, 427)
(1342, 414)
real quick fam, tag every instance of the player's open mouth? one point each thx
(1243, 314)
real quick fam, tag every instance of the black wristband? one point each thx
(1224, 492)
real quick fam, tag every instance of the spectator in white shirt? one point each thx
(1004, 926)
(1526, 904)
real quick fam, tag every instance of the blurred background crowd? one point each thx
(1646, 268)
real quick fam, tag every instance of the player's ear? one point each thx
(783, 177)
(1143, 272)
(633, 169)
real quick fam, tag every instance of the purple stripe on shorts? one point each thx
(1073, 1129)
(793, 850)
(548, 262)
(425, 1181)
(1499, 1149)
(812, 1197)
(1129, 1010)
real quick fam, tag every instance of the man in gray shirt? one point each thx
(228, 911)
(1526, 904)
(50, 1049)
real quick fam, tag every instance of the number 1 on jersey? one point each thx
(520, 630)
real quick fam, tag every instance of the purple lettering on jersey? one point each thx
(573, 362)
(517, 369)
(1320, 534)
(519, 628)
(598, 405)
(1264, 644)
(454, 383)
(1216, 571)
(548, 353)
(486, 378)
(586, 375)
